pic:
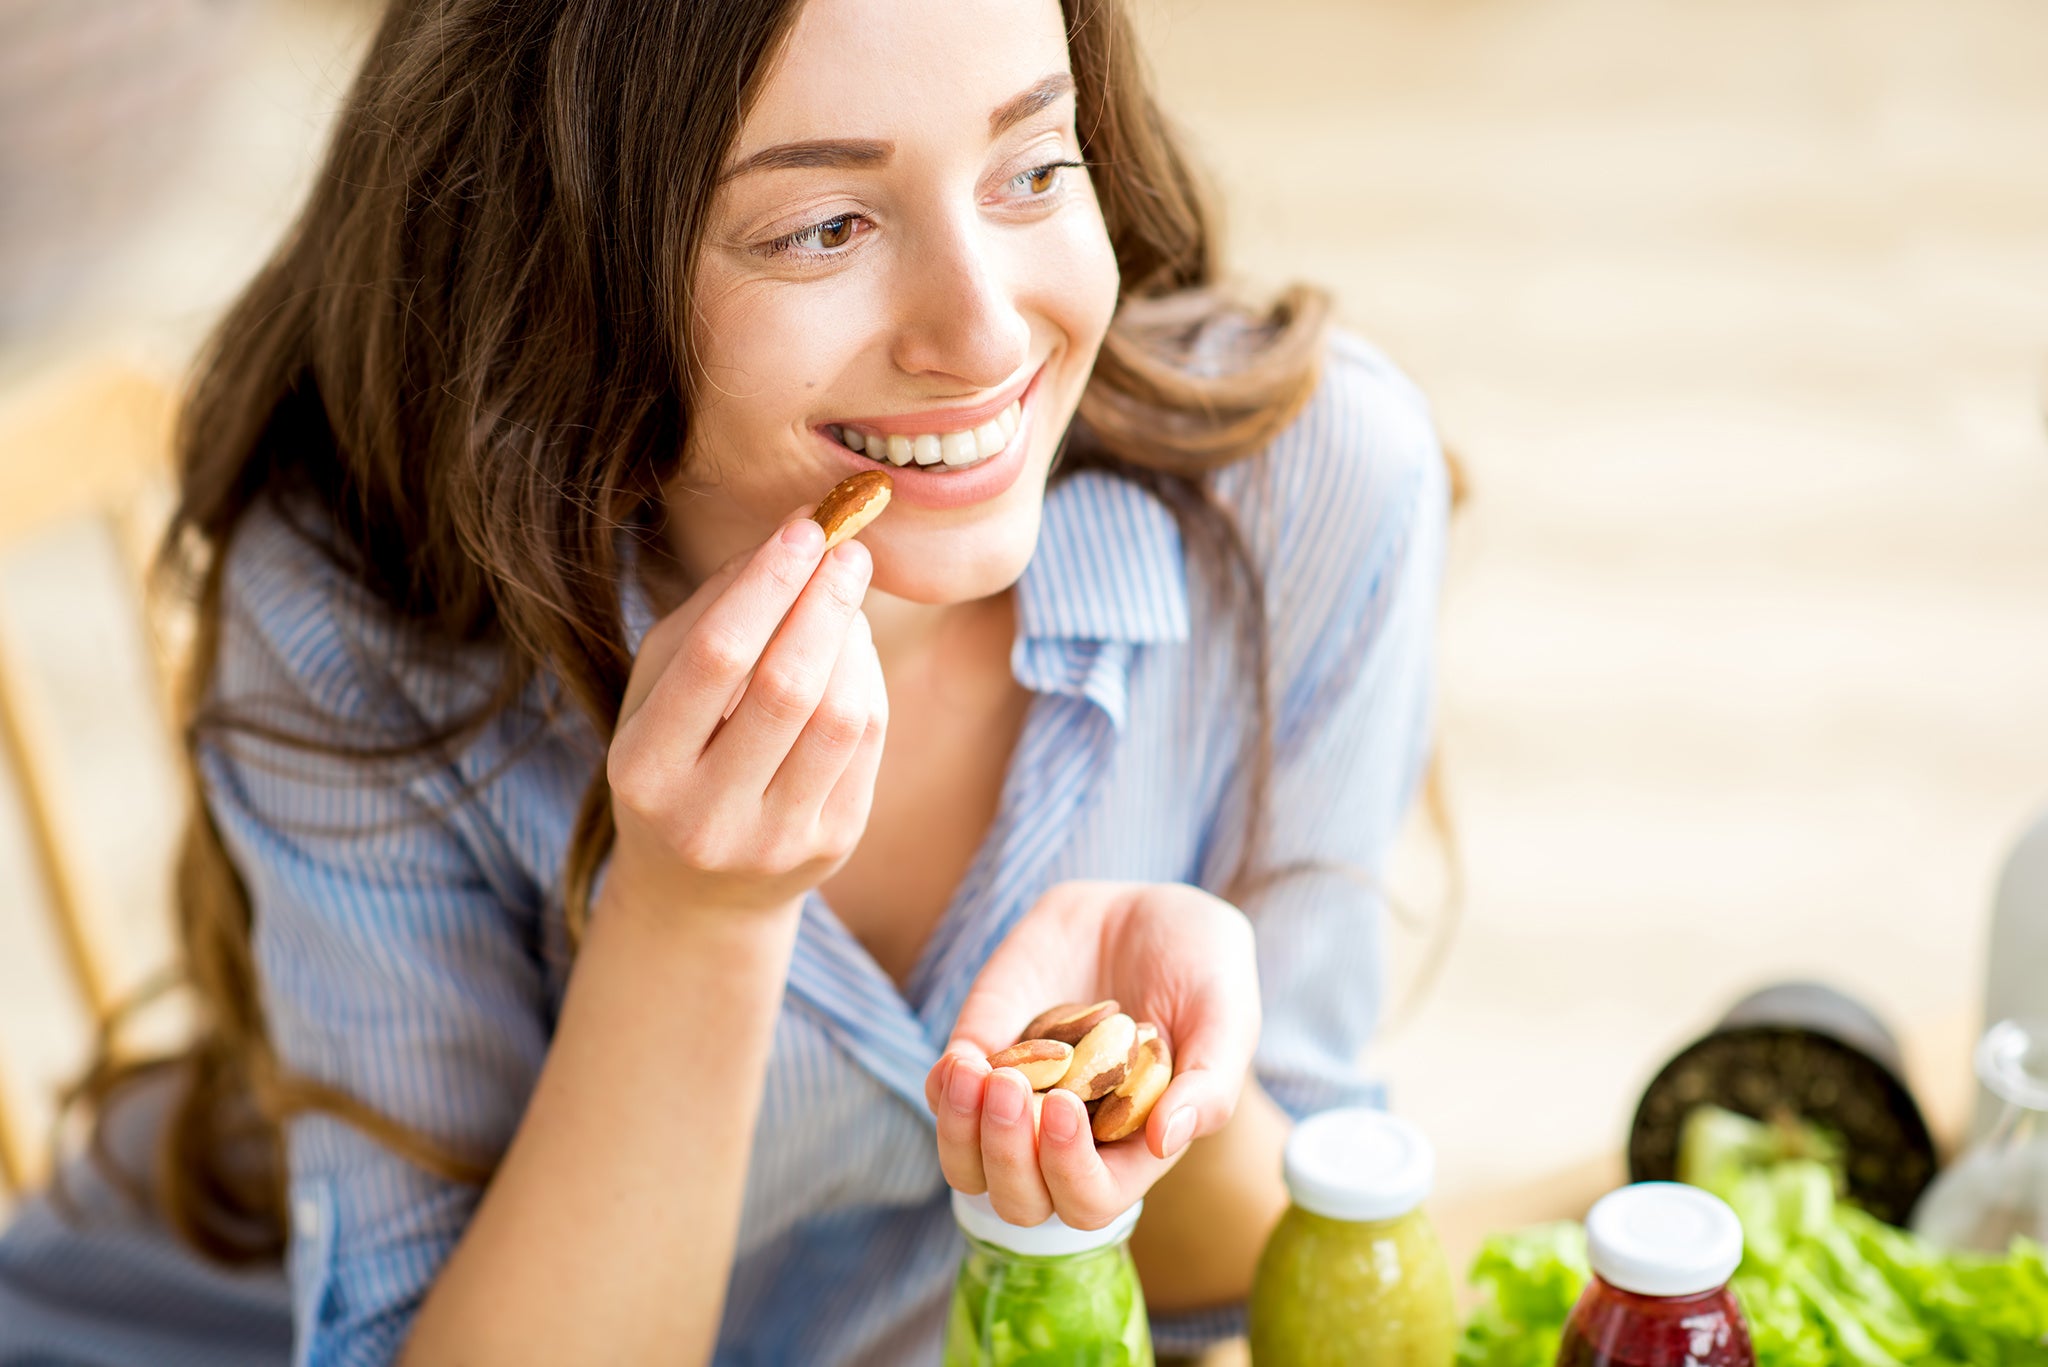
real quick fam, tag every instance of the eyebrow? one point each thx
(1021, 107)
(794, 156)
(814, 153)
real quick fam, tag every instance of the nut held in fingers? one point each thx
(853, 503)
(1124, 1112)
(1069, 1021)
(1102, 1058)
(1043, 1062)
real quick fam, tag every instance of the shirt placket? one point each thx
(1066, 746)
(1048, 797)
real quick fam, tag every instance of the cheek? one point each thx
(1081, 279)
(764, 353)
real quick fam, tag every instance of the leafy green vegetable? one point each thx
(1531, 1279)
(1716, 1145)
(1822, 1283)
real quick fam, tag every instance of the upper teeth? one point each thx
(933, 448)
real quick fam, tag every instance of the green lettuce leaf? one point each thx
(1530, 1278)
(1822, 1283)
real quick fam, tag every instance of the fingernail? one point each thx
(1180, 1128)
(1059, 1124)
(804, 535)
(963, 1091)
(1005, 1098)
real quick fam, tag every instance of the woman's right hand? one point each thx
(752, 811)
(723, 823)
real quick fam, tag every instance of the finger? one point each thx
(1213, 1041)
(790, 680)
(739, 691)
(725, 575)
(1009, 1150)
(832, 736)
(660, 643)
(1197, 1102)
(1133, 1166)
(729, 636)
(1085, 1193)
(671, 630)
(958, 1114)
(849, 803)
(935, 1082)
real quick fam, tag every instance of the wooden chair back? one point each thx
(88, 445)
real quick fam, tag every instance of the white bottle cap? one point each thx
(1053, 1239)
(1358, 1164)
(1663, 1239)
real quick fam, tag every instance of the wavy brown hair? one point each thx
(468, 353)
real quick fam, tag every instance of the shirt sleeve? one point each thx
(1356, 545)
(392, 965)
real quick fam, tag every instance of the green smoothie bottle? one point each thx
(1354, 1276)
(1045, 1296)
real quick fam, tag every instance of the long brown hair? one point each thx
(468, 354)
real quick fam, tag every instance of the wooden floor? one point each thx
(1738, 312)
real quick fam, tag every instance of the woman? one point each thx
(550, 835)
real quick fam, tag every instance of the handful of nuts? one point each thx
(1119, 1066)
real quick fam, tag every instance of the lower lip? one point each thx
(936, 486)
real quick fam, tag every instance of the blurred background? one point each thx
(1736, 311)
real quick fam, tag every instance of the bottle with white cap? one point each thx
(1661, 1254)
(1354, 1274)
(1045, 1294)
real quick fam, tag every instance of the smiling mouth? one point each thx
(934, 450)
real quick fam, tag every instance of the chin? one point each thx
(982, 568)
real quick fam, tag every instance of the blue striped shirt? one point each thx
(420, 964)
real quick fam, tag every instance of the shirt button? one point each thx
(306, 1216)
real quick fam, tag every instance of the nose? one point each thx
(957, 319)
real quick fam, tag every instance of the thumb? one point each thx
(1197, 1102)
(1210, 1063)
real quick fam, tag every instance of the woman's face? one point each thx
(897, 258)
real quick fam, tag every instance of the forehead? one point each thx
(879, 68)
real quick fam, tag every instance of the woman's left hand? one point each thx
(1170, 954)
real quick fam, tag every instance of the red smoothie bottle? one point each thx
(1662, 1255)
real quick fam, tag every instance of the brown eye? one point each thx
(1043, 179)
(837, 233)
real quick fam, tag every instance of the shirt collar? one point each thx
(1108, 566)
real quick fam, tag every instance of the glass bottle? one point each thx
(1048, 1295)
(1354, 1273)
(1998, 1188)
(1662, 1254)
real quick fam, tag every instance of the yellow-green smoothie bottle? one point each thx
(1353, 1276)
